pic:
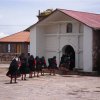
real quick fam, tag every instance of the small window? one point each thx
(9, 47)
(69, 28)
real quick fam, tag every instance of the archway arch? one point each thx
(69, 51)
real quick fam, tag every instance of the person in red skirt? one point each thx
(52, 65)
(31, 64)
(24, 69)
(38, 65)
(43, 64)
(13, 71)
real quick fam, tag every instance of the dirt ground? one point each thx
(59, 87)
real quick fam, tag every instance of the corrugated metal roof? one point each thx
(22, 36)
(90, 19)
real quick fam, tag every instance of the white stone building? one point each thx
(66, 29)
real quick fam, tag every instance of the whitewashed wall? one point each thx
(87, 49)
(33, 41)
(40, 42)
(52, 45)
(51, 29)
(49, 39)
(55, 43)
(80, 51)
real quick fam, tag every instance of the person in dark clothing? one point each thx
(68, 61)
(13, 71)
(62, 60)
(65, 62)
(52, 65)
(21, 56)
(24, 69)
(43, 64)
(31, 63)
(72, 61)
(38, 65)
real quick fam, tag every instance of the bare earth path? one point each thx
(68, 87)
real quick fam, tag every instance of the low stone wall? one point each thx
(7, 57)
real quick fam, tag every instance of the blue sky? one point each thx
(16, 15)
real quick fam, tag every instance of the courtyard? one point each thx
(58, 87)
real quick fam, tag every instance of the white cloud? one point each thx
(3, 35)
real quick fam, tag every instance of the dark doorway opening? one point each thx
(69, 53)
(96, 51)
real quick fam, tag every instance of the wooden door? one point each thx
(18, 50)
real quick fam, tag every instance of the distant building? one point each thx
(13, 45)
(67, 31)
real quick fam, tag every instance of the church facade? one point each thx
(66, 31)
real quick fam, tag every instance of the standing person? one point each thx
(38, 65)
(31, 63)
(62, 62)
(72, 61)
(13, 71)
(23, 68)
(16, 57)
(52, 65)
(43, 64)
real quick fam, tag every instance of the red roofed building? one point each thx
(73, 33)
(14, 44)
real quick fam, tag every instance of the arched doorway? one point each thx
(69, 52)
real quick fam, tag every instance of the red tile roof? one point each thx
(90, 19)
(22, 36)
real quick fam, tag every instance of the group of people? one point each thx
(22, 65)
(67, 61)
